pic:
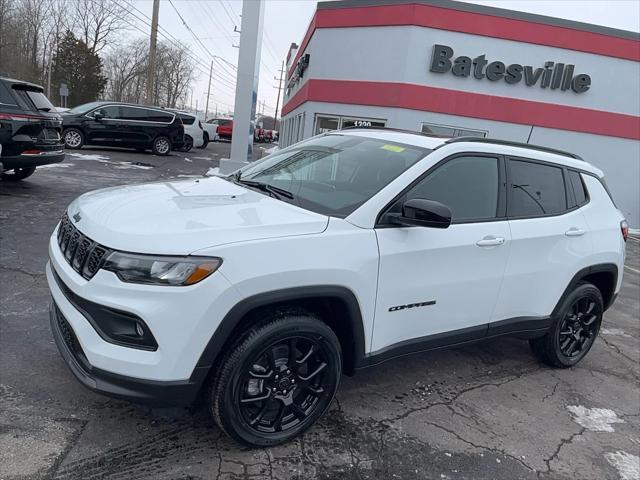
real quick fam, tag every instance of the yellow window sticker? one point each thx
(393, 148)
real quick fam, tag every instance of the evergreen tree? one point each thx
(75, 65)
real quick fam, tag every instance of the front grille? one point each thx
(83, 254)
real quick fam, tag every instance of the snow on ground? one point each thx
(188, 160)
(594, 419)
(126, 165)
(271, 150)
(213, 171)
(55, 165)
(88, 156)
(628, 465)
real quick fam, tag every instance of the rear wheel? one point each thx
(277, 380)
(188, 143)
(17, 174)
(574, 330)
(161, 146)
(73, 138)
(205, 138)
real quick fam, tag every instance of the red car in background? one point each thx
(225, 128)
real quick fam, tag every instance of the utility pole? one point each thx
(246, 86)
(206, 110)
(153, 44)
(275, 117)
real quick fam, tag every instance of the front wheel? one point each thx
(277, 380)
(73, 138)
(574, 329)
(161, 146)
(17, 174)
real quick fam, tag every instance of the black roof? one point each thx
(14, 81)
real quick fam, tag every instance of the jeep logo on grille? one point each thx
(77, 217)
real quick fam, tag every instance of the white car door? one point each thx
(550, 240)
(441, 285)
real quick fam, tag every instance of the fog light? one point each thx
(139, 330)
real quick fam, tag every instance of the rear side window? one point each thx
(110, 111)
(579, 189)
(5, 96)
(133, 113)
(187, 120)
(467, 185)
(158, 116)
(535, 189)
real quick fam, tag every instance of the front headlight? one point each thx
(160, 270)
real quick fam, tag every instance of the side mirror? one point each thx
(98, 116)
(424, 213)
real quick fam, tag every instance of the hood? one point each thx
(180, 217)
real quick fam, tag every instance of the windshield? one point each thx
(80, 109)
(333, 174)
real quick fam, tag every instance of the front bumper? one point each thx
(181, 319)
(114, 385)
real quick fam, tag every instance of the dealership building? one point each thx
(459, 69)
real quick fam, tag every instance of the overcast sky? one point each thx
(286, 21)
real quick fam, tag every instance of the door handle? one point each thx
(490, 241)
(575, 232)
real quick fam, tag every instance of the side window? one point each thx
(158, 116)
(111, 111)
(535, 189)
(187, 119)
(468, 185)
(5, 96)
(579, 189)
(133, 113)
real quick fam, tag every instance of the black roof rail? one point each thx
(514, 144)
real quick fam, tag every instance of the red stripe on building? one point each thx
(466, 104)
(472, 23)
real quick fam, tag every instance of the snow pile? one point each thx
(594, 419)
(628, 465)
(84, 156)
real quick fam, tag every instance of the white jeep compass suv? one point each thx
(260, 289)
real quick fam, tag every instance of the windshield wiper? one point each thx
(265, 187)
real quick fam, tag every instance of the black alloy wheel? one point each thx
(579, 327)
(17, 174)
(574, 330)
(278, 381)
(282, 385)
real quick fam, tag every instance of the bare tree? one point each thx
(125, 67)
(175, 73)
(98, 21)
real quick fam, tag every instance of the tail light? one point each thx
(624, 229)
(20, 117)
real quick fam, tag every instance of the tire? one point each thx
(574, 328)
(205, 138)
(17, 174)
(73, 138)
(297, 391)
(161, 146)
(188, 144)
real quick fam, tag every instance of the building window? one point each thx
(448, 131)
(327, 123)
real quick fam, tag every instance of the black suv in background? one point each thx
(115, 124)
(29, 129)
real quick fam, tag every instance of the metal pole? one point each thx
(206, 110)
(275, 117)
(246, 85)
(153, 44)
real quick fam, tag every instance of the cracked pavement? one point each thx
(487, 410)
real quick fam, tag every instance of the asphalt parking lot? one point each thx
(483, 411)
